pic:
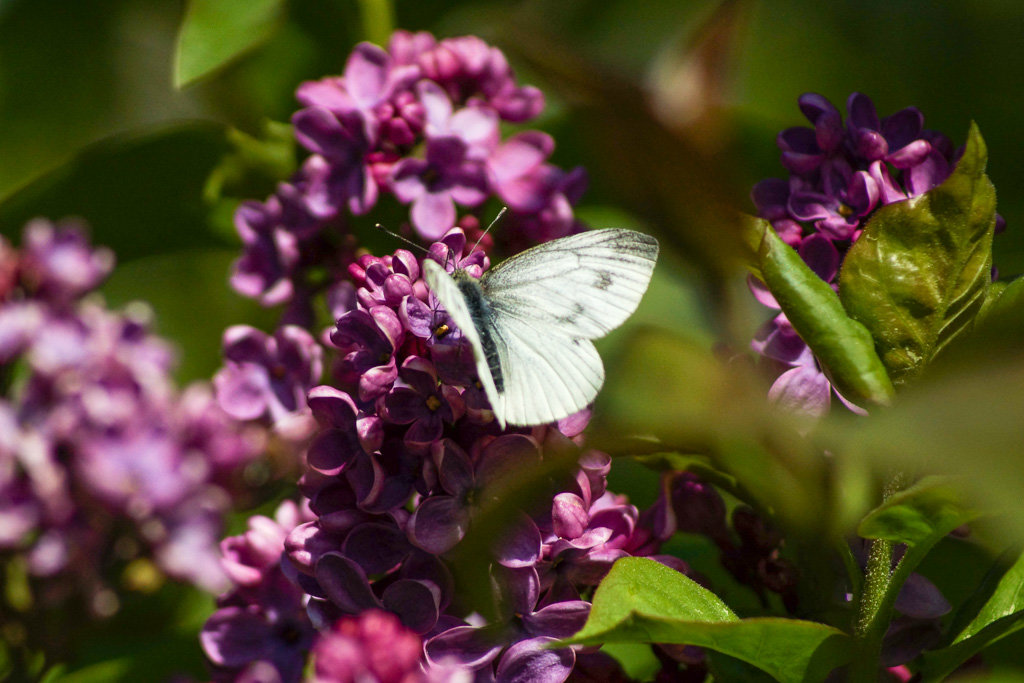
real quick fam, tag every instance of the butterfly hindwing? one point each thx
(585, 285)
(547, 375)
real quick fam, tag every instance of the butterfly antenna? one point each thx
(400, 237)
(493, 223)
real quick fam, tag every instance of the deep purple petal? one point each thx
(903, 127)
(821, 255)
(455, 470)
(560, 620)
(811, 206)
(376, 548)
(344, 582)
(234, 636)
(332, 450)
(800, 151)
(919, 598)
(468, 645)
(415, 602)
(861, 112)
(862, 194)
(770, 197)
(517, 589)
(438, 524)
(519, 545)
(926, 175)
(530, 661)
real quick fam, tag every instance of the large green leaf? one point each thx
(1000, 615)
(844, 346)
(918, 275)
(643, 601)
(919, 515)
(215, 32)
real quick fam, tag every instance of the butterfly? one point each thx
(529, 320)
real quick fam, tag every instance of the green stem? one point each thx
(378, 20)
(876, 601)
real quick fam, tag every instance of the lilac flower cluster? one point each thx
(102, 459)
(420, 122)
(407, 457)
(838, 176)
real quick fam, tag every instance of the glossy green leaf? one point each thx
(644, 601)
(918, 274)
(844, 346)
(922, 514)
(216, 32)
(1000, 615)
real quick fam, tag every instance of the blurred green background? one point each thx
(92, 125)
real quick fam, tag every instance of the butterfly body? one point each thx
(530, 319)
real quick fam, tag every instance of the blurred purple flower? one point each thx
(98, 448)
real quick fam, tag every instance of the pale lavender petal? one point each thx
(803, 390)
(365, 74)
(433, 214)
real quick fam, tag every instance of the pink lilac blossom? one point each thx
(838, 176)
(98, 447)
(416, 124)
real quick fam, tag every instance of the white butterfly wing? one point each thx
(529, 319)
(546, 374)
(449, 294)
(584, 285)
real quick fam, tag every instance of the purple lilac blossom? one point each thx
(98, 447)
(405, 460)
(417, 122)
(261, 621)
(838, 176)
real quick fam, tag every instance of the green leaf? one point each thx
(1001, 615)
(919, 515)
(216, 32)
(644, 601)
(844, 346)
(918, 275)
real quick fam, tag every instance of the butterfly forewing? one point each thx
(449, 294)
(585, 285)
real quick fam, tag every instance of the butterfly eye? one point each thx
(441, 331)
